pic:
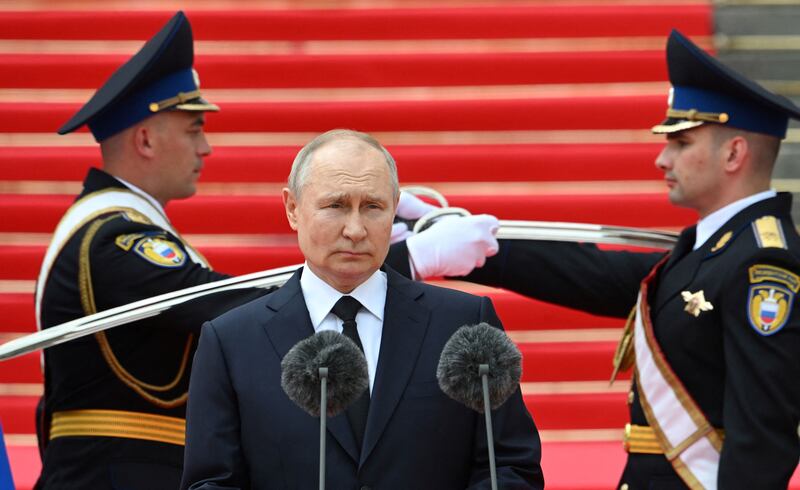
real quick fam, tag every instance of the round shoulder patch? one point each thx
(160, 251)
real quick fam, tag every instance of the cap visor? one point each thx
(675, 125)
(200, 104)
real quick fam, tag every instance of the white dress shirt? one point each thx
(321, 296)
(714, 221)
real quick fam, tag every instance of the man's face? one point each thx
(693, 169)
(180, 145)
(343, 215)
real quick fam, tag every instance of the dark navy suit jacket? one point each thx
(244, 432)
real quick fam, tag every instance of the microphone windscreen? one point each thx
(468, 348)
(348, 376)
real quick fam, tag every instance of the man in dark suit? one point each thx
(112, 414)
(242, 429)
(714, 335)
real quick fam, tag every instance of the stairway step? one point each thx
(420, 23)
(265, 214)
(574, 465)
(23, 369)
(17, 312)
(372, 70)
(423, 163)
(518, 313)
(622, 112)
(551, 412)
(542, 362)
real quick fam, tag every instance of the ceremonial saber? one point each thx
(563, 231)
(145, 308)
(149, 307)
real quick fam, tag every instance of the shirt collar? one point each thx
(145, 195)
(709, 225)
(370, 293)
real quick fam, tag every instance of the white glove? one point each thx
(453, 246)
(400, 232)
(410, 207)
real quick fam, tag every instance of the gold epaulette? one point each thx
(769, 232)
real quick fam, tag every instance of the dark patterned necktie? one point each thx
(346, 309)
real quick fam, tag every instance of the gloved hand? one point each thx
(453, 246)
(410, 207)
(400, 232)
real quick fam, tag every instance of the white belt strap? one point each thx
(689, 441)
(90, 207)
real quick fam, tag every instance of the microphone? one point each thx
(480, 367)
(347, 375)
(325, 370)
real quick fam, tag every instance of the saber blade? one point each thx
(139, 310)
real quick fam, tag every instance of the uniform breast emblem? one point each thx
(160, 251)
(696, 303)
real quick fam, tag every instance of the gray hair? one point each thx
(300, 166)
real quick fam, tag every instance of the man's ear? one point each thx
(143, 141)
(290, 203)
(735, 152)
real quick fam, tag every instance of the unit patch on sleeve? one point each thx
(157, 250)
(769, 303)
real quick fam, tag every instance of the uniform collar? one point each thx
(98, 179)
(709, 225)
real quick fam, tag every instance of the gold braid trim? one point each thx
(89, 308)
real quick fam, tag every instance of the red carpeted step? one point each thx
(556, 361)
(379, 70)
(632, 112)
(23, 369)
(18, 414)
(265, 214)
(518, 313)
(357, 24)
(578, 411)
(562, 361)
(416, 163)
(585, 465)
(551, 412)
(18, 313)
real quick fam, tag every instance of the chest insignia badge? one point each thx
(696, 303)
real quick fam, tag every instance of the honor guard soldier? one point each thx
(113, 410)
(714, 334)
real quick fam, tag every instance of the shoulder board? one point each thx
(769, 232)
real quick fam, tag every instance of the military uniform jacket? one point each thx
(739, 361)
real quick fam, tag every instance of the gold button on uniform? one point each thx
(624, 486)
(630, 397)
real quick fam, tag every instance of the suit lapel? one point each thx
(405, 322)
(288, 325)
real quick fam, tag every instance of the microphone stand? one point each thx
(323, 419)
(483, 371)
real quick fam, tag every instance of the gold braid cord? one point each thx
(89, 308)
